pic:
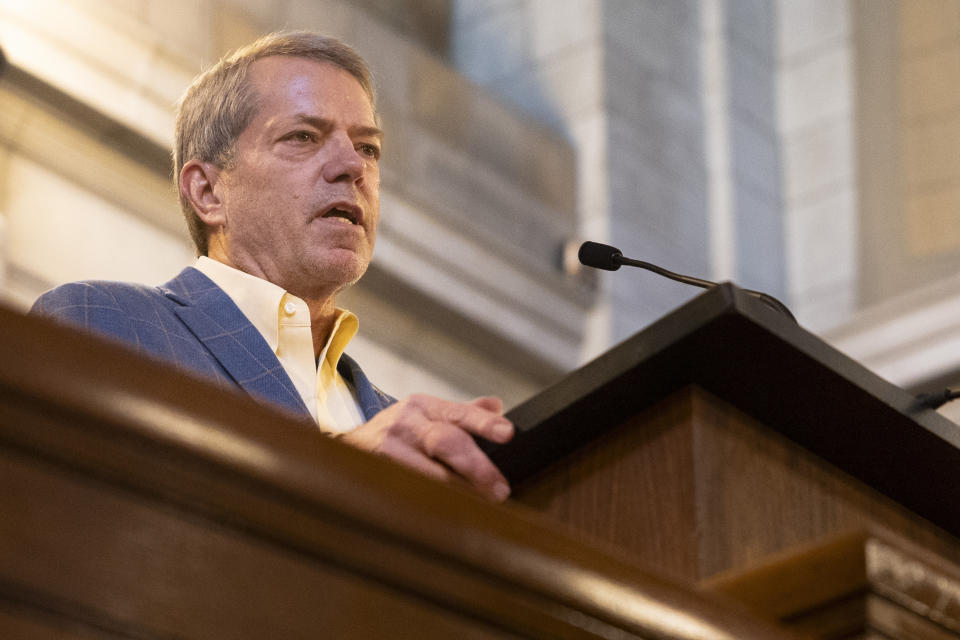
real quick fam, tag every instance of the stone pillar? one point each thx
(545, 58)
(815, 67)
(755, 146)
(621, 79)
(657, 175)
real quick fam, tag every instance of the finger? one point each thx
(471, 417)
(454, 448)
(490, 403)
(415, 459)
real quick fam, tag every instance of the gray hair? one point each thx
(220, 104)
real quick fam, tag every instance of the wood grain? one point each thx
(759, 494)
(865, 584)
(632, 490)
(140, 502)
(693, 487)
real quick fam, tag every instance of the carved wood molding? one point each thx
(864, 584)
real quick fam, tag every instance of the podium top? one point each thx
(730, 345)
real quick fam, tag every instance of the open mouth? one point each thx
(349, 214)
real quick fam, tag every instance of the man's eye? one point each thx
(369, 150)
(302, 136)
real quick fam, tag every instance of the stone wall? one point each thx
(803, 147)
(817, 129)
(466, 294)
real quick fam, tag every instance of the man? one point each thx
(277, 165)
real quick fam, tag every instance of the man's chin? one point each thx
(330, 276)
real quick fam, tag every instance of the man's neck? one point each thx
(323, 308)
(323, 315)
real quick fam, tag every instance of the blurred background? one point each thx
(806, 148)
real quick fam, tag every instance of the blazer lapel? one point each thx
(215, 320)
(371, 400)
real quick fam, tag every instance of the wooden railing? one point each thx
(139, 502)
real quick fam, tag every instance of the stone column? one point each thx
(621, 79)
(817, 128)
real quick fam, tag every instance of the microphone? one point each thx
(599, 256)
(603, 256)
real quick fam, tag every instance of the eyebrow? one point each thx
(324, 124)
(368, 132)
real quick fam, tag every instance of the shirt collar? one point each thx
(262, 301)
(345, 326)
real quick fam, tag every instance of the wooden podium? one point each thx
(660, 492)
(723, 435)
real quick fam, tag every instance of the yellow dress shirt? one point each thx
(284, 322)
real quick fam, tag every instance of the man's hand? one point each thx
(433, 436)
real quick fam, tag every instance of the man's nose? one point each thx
(344, 162)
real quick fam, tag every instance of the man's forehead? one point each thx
(284, 80)
(272, 68)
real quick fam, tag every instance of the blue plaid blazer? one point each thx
(193, 323)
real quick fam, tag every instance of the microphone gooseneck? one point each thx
(603, 256)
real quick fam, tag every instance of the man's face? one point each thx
(302, 197)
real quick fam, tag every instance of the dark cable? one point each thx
(937, 399)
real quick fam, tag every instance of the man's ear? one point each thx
(198, 184)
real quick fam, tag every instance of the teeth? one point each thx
(340, 214)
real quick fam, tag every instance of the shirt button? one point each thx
(289, 308)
